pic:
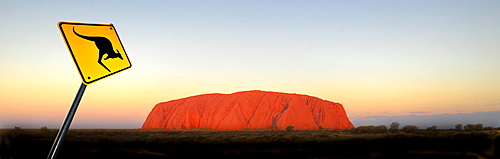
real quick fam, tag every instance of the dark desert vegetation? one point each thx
(360, 142)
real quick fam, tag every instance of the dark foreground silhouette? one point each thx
(201, 143)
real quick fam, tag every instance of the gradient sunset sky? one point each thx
(377, 58)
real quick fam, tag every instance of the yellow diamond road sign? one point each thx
(96, 49)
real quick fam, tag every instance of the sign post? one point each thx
(67, 122)
(97, 53)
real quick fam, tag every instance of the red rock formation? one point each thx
(249, 109)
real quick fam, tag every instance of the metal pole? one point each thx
(67, 122)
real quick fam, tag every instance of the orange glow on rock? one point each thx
(248, 109)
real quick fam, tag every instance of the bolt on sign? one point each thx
(96, 49)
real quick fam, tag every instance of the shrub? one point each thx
(289, 128)
(488, 128)
(13, 133)
(469, 127)
(369, 129)
(363, 129)
(432, 128)
(394, 127)
(410, 128)
(380, 129)
(472, 127)
(479, 127)
(458, 127)
(44, 130)
(320, 128)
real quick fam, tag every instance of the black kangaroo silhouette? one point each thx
(104, 46)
